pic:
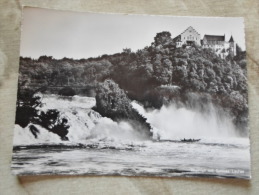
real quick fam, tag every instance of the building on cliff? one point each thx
(217, 43)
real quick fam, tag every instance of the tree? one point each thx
(26, 107)
(162, 38)
(126, 50)
(52, 121)
(28, 103)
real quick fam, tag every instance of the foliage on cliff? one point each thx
(149, 75)
(112, 102)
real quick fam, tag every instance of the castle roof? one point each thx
(178, 37)
(190, 28)
(231, 39)
(214, 37)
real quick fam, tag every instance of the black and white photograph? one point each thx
(131, 95)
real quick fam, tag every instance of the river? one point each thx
(166, 159)
(99, 146)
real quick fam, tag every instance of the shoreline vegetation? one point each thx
(191, 76)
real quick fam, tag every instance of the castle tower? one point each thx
(232, 46)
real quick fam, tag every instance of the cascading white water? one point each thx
(107, 129)
(87, 124)
(84, 123)
(23, 136)
(169, 122)
(172, 122)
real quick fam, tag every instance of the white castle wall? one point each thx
(190, 35)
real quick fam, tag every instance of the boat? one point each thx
(190, 140)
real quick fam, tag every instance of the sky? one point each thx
(82, 35)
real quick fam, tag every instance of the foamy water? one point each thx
(99, 146)
(138, 159)
(175, 123)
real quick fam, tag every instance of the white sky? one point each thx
(83, 35)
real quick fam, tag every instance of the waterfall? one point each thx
(193, 121)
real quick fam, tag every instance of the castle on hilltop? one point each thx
(218, 43)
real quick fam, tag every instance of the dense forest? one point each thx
(155, 76)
